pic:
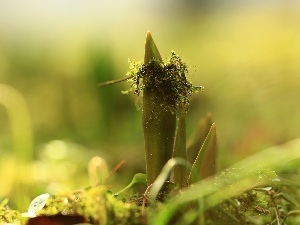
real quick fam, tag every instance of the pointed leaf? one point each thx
(151, 51)
(205, 163)
(197, 138)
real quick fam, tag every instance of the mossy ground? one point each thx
(267, 204)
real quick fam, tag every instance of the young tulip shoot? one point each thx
(165, 91)
(159, 120)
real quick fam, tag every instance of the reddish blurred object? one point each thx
(56, 220)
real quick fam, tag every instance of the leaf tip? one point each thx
(213, 126)
(151, 51)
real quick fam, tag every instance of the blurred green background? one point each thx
(54, 53)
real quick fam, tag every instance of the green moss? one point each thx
(8, 215)
(96, 205)
(166, 79)
(120, 212)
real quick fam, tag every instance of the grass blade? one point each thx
(205, 163)
(273, 158)
(198, 137)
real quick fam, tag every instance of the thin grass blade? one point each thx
(205, 163)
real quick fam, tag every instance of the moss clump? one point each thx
(8, 215)
(95, 204)
(166, 79)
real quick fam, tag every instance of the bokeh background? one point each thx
(54, 53)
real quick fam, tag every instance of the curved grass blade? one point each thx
(163, 176)
(205, 163)
(198, 137)
(213, 194)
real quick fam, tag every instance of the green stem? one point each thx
(159, 122)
